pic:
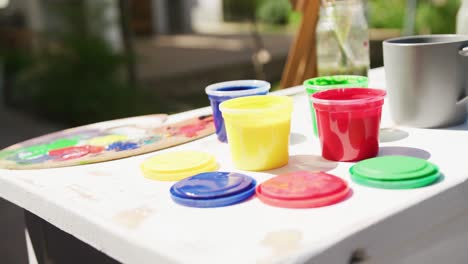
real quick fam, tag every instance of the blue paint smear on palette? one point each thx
(121, 146)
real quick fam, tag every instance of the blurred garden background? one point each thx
(65, 63)
(74, 62)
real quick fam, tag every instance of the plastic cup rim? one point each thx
(261, 86)
(448, 39)
(331, 86)
(375, 98)
(286, 103)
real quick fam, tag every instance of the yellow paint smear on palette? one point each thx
(174, 166)
(106, 140)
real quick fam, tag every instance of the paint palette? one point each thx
(104, 141)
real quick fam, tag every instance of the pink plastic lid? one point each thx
(303, 189)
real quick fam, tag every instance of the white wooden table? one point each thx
(113, 208)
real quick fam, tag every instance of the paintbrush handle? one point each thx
(347, 57)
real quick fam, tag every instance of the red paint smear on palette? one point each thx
(74, 152)
(303, 189)
(192, 130)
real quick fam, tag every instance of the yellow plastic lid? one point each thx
(174, 166)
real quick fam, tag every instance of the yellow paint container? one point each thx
(258, 129)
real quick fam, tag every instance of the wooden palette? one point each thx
(104, 141)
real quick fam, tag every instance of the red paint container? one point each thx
(348, 122)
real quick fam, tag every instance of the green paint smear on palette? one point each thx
(7, 153)
(151, 140)
(33, 152)
(63, 143)
(38, 151)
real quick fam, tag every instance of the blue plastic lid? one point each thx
(213, 189)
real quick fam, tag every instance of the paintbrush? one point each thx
(344, 49)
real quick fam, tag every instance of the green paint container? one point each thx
(331, 82)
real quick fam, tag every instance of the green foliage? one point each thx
(437, 16)
(432, 16)
(76, 77)
(78, 83)
(274, 11)
(386, 14)
(238, 10)
(295, 18)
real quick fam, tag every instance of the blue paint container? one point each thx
(220, 92)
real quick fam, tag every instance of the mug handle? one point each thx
(463, 51)
(463, 100)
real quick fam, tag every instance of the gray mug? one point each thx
(426, 79)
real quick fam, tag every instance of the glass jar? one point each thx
(342, 39)
(462, 18)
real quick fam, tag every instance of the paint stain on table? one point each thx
(82, 193)
(31, 182)
(281, 243)
(133, 218)
(99, 173)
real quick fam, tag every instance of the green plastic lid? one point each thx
(395, 172)
(405, 184)
(394, 168)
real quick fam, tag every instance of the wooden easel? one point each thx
(302, 58)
